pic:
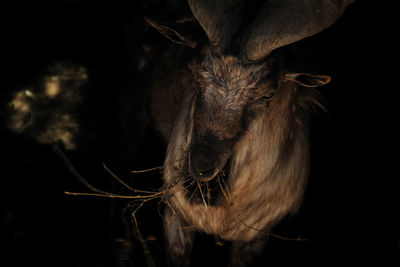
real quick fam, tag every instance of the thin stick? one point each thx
(227, 189)
(138, 207)
(208, 194)
(202, 196)
(124, 184)
(108, 195)
(72, 169)
(267, 233)
(224, 193)
(148, 170)
(146, 250)
(167, 32)
(155, 168)
(193, 193)
(118, 179)
(187, 180)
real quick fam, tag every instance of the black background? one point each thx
(350, 213)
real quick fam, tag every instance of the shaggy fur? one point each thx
(264, 116)
(242, 116)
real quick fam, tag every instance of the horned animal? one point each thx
(234, 112)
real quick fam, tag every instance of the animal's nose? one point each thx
(202, 168)
(202, 164)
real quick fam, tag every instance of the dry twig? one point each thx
(146, 196)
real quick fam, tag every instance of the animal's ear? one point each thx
(308, 79)
(171, 34)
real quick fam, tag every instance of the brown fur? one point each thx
(269, 158)
(225, 87)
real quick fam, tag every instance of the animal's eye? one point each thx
(267, 97)
(263, 100)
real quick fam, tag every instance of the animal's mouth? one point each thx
(205, 171)
(208, 188)
(205, 175)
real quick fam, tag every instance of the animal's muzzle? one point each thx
(207, 159)
(202, 163)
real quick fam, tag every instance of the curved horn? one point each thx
(219, 19)
(282, 22)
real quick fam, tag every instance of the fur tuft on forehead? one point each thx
(224, 86)
(227, 73)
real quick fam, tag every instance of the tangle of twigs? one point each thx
(143, 196)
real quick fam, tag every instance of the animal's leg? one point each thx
(179, 240)
(244, 253)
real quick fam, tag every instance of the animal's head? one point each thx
(229, 96)
(239, 72)
(227, 93)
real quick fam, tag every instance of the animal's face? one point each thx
(229, 94)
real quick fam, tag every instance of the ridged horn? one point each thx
(282, 22)
(218, 18)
